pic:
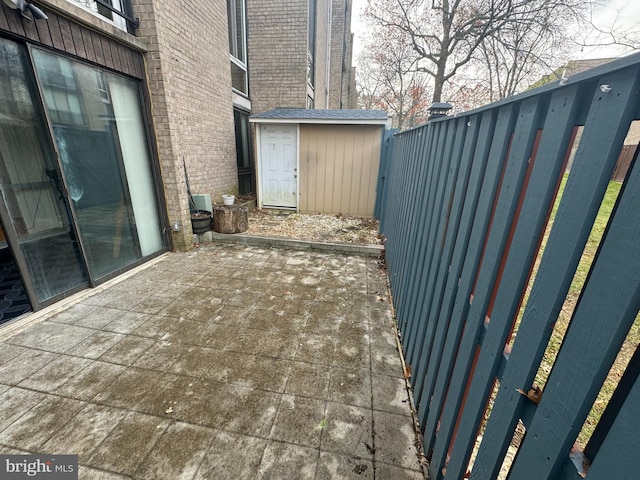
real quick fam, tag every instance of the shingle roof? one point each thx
(301, 115)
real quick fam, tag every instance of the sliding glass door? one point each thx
(78, 197)
(34, 211)
(97, 125)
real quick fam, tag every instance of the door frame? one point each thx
(259, 164)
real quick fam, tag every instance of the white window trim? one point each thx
(246, 77)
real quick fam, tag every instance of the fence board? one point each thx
(546, 172)
(439, 223)
(516, 168)
(630, 376)
(383, 173)
(459, 186)
(389, 209)
(471, 260)
(424, 256)
(468, 201)
(429, 142)
(403, 151)
(499, 228)
(618, 456)
(418, 168)
(605, 312)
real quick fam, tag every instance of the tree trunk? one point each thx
(438, 81)
(230, 218)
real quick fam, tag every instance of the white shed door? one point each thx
(279, 165)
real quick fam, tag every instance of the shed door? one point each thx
(279, 165)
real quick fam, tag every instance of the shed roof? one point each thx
(331, 117)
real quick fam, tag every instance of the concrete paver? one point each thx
(227, 362)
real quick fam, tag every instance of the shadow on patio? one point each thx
(225, 362)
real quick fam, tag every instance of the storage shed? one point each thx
(321, 161)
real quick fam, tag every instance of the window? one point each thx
(311, 45)
(236, 14)
(105, 9)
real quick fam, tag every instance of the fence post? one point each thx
(383, 172)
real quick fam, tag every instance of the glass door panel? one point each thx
(137, 164)
(102, 151)
(33, 204)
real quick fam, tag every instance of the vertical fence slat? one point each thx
(515, 171)
(425, 258)
(630, 376)
(423, 144)
(399, 186)
(505, 207)
(459, 184)
(541, 189)
(466, 202)
(583, 193)
(605, 312)
(415, 224)
(412, 169)
(383, 173)
(437, 233)
(470, 257)
(436, 133)
(618, 455)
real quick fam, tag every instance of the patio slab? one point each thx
(227, 362)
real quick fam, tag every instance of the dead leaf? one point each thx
(407, 371)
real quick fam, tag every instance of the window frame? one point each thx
(232, 9)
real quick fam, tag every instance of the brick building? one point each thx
(287, 71)
(109, 109)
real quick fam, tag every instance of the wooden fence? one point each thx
(466, 203)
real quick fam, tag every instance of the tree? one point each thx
(388, 79)
(447, 36)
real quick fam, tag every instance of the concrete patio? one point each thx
(228, 362)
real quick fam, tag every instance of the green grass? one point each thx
(569, 305)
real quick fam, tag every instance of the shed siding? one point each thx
(339, 168)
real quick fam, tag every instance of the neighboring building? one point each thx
(285, 70)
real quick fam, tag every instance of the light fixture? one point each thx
(23, 6)
(439, 109)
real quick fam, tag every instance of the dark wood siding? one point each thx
(74, 39)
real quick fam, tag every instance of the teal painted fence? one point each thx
(465, 204)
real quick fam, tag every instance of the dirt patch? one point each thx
(314, 227)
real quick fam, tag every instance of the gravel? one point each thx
(314, 227)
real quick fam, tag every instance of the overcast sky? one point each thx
(625, 13)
